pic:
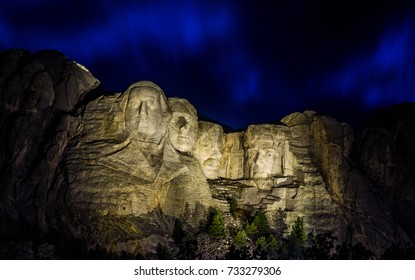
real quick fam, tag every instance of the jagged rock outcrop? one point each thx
(281, 172)
(41, 94)
(384, 150)
(116, 170)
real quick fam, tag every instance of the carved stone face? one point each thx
(261, 157)
(263, 153)
(143, 115)
(208, 148)
(183, 126)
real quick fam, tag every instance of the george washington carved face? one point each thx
(147, 114)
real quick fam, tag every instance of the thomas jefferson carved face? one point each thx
(183, 126)
(146, 114)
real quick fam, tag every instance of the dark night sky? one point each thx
(239, 62)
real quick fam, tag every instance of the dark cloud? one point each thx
(379, 76)
(239, 62)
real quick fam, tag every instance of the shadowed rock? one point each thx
(41, 95)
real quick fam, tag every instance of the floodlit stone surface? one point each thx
(116, 170)
(265, 151)
(129, 166)
(208, 148)
(183, 127)
(233, 156)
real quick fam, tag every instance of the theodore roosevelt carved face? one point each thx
(208, 148)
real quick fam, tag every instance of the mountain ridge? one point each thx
(75, 165)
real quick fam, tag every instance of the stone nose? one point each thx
(142, 109)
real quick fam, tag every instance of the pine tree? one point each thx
(251, 230)
(262, 243)
(272, 242)
(233, 206)
(178, 232)
(217, 227)
(261, 222)
(259, 226)
(297, 239)
(280, 224)
(241, 239)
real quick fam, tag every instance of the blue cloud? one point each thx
(175, 29)
(4, 33)
(228, 59)
(380, 76)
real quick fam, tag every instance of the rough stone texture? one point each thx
(384, 150)
(208, 148)
(40, 98)
(281, 172)
(115, 171)
(183, 126)
(122, 163)
(233, 156)
(362, 212)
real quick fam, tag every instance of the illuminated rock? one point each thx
(183, 126)
(117, 170)
(123, 163)
(233, 157)
(208, 148)
(266, 151)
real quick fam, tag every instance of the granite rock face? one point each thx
(117, 170)
(122, 162)
(208, 148)
(41, 95)
(385, 151)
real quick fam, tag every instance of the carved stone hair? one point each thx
(260, 133)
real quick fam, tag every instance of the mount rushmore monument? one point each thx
(117, 169)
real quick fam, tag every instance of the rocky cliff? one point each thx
(117, 170)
